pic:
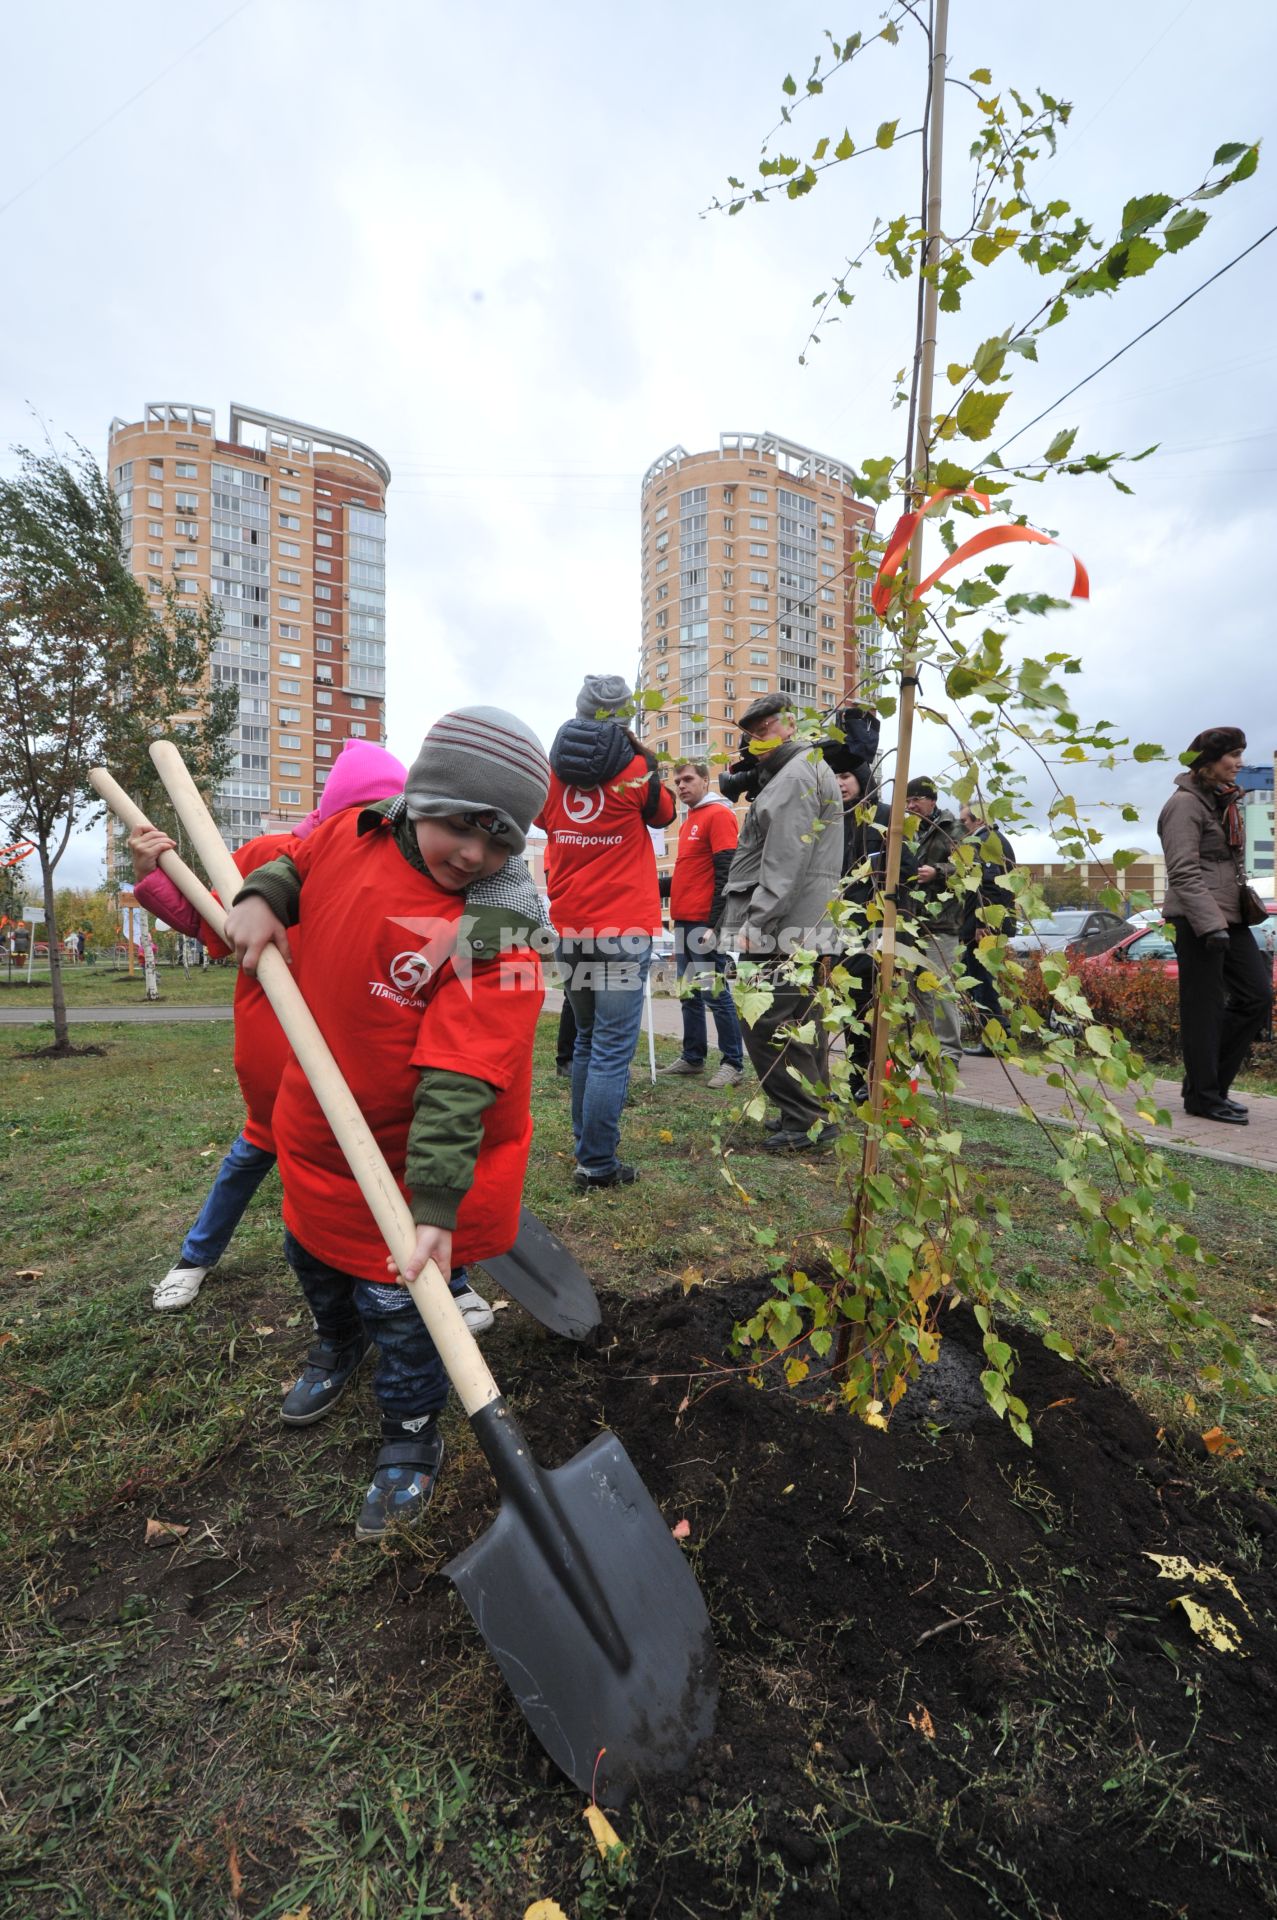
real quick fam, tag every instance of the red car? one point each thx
(1155, 944)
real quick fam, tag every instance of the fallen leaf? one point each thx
(789, 1488)
(1259, 1321)
(263, 1330)
(691, 1277)
(5, 1338)
(1221, 1633)
(1215, 1440)
(665, 1137)
(682, 1530)
(498, 1306)
(302, 1913)
(1190, 1405)
(206, 1153)
(1175, 1566)
(921, 1722)
(545, 1910)
(161, 1530)
(606, 1838)
(237, 1878)
(29, 1273)
(1068, 1401)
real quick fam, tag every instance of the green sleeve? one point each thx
(443, 1143)
(279, 884)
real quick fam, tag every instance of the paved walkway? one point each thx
(158, 1013)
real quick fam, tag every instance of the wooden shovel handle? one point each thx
(456, 1344)
(131, 815)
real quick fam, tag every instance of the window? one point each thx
(290, 770)
(155, 470)
(322, 750)
(290, 743)
(729, 688)
(321, 592)
(289, 577)
(758, 577)
(758, 496)
(758, 603)
(186, 470)
(289, 550)
(155, 499)
(289, 797)
(828, 673)
(289, 603)
(186, 557)
(323, 539)
(827, 519)
(289, 520)
(358, 730)
(827, 570)
(153, 585)
(155, 557)
(290, 659)
(323, 513)
(289, 686)
(829, 646)
(827, 593)
(289, 717)
(323, 724)
(155, 529)
(758, 549)
(826, 543)
(758, 523)
(187, 529)
(186, 502)
(729, 523)
(292, 494)
(358, 703)
(829, 620)
(323, 699)
(323, 566)
(662, 513)
(758, 686)
(289, 631)
(187, 585)
(323, 643)
(322, 617)
(757, 632)
(324, 676)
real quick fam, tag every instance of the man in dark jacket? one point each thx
(997, 859)
(864, 840)
(605, 792)
(940, 912)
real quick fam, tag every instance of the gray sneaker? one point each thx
(681, 1066)
(726, 1076)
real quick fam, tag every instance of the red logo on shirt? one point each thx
(410, 972)
(583, 804)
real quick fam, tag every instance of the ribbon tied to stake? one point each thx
(907, 525)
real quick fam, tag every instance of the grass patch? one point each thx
(112, 986)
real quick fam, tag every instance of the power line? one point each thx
(123, 107)
(1217, 275)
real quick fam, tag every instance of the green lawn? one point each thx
(142, 1739)
(111, 986)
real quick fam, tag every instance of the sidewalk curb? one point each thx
(1157, 1139)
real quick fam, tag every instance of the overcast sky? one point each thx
(473, 237)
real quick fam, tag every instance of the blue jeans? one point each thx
(238, 1178)
(603, 980)
(410, 1380)
(694, 947)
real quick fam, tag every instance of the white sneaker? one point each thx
(475, 1311)
(177, 1289)
(727, 1076)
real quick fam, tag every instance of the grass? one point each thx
(185, 1735)
(112, 986)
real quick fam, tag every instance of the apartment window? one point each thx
(289, 577)
(289, 550)
(829, 646)
(729, 523)
(155, 499)
(729, 551)
(155, 529)
(153, 585)
(290, 659)
(662, 513)
(155, 470)
(827, 570)
(729, 711)
(323, 699)
(729, 688)
(729, 494)
(289, 603)
(324, 676)
(828, 673)
(323, 513)
(289, 796)
(323, 566)
(758, 686)
(187, 529)
(290, 770)
(322, 750)
(155, 557)
(358, 703)
(290, 743)
(185, 502)
(758, 659)
(826, 543)
(187, 585)
(292, 494)
(323, 724)
(321, 592)
(758, 496)
(288, 686)
(323, 539)
(758, 523)
(827, 519)
(757, 577)
(827, 593)
(757, 632)
(186, 557)
(186, 470)
(289, 717)
(288, 520)
(358, 730)
(323, 643)
(758, 603)
(322, 617)
(758, 549)
(289, 631)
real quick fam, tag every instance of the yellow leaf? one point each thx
(545, 1910)
(691, 1277)
(872, 1415)
(606, 1838)
(1221, 1633)
(789, 1488)
(160, 1530)
(927, 982)
(1174, 1566)
(302, 1913)
(1215, 1440)
(1190, 1405)
(796, 1371)
(921, 1722)
(665, 1136)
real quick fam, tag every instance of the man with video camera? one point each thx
(784, 874)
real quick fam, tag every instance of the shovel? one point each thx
(578, 1587)
(538, 1271)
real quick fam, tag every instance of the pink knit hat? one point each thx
(363, 773)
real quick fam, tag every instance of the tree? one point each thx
(91, 667)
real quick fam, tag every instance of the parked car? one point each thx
(1144, 944)
(1077, 930)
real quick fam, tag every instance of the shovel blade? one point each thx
(614, 1707)
(544, 1277)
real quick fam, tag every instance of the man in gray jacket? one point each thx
(783, 876)
(940, 911)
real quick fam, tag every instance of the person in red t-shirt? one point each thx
(361, 773)
(604, 794)
(706, 842)
(417, 919)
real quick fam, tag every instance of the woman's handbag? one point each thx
(1254, 912)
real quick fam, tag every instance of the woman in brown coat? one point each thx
(1225, 985)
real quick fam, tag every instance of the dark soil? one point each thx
(953, 1684)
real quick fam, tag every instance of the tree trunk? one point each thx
(61, 1033)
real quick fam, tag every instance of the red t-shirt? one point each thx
(261, 1051)
(377, 973)
(600, 862)
(708, 829)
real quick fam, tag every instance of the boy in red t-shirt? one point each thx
(417, 918)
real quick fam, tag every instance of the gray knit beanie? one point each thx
(602, 693)
(485, 761)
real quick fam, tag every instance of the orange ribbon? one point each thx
(907, 525)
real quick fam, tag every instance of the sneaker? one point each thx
(402, 1483)
(475, 1311)
(681, 1066)
(328, 1371)
(178, 1288)
(563, 1070)
(622, 1175)
(791, 1140)
(726, 1076)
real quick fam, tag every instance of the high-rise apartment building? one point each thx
(285, 527)
(749, 586)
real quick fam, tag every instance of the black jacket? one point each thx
(997, 859)
(866, 840)
(585, 753)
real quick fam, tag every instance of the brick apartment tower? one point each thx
(285, 527)
(748, 586)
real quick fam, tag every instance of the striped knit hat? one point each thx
(481, 761)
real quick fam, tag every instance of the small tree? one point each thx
(91, 670)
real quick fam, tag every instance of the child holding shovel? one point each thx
(416, 917)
